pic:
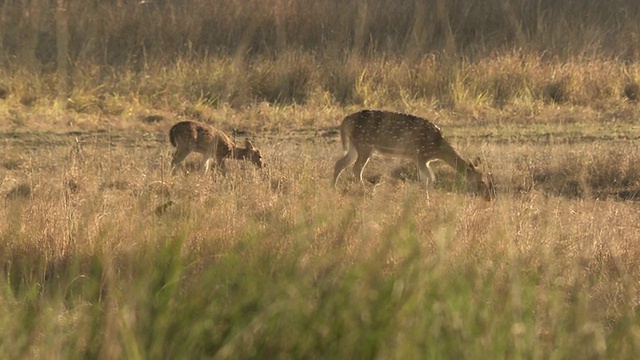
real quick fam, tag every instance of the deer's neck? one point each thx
(239, 153)
(451, 157)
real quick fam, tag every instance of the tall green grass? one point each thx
(456, 291)
(394, 300)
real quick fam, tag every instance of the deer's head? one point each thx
(252, 154)
(479, 183)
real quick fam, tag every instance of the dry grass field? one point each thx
(102, 249)
(106, 255)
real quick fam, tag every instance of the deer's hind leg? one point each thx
(344, 162)
(364, 155)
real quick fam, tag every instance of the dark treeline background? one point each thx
(119, 32)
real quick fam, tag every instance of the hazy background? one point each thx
(124, 32)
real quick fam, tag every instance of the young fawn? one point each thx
(213, 144)
(405, 136)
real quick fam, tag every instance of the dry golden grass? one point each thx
(560, 237)
(523, 160)
(551, 196)
(106, 255)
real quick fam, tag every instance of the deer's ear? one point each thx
(248, 144)
(477, 161)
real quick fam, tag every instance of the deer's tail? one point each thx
(172, 136)
(346, 129)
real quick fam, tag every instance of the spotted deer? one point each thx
(405, 136)
(213, 144)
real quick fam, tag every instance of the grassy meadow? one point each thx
(106, 255)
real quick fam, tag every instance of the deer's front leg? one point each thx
(180, 154)
(425, 174)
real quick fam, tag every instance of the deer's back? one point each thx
(392, 133)
(200, 137)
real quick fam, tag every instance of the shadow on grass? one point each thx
(610, 184)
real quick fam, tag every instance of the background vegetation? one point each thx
(105, 255)
(105, 56)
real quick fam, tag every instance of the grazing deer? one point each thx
(213, 144)
(405, 136)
